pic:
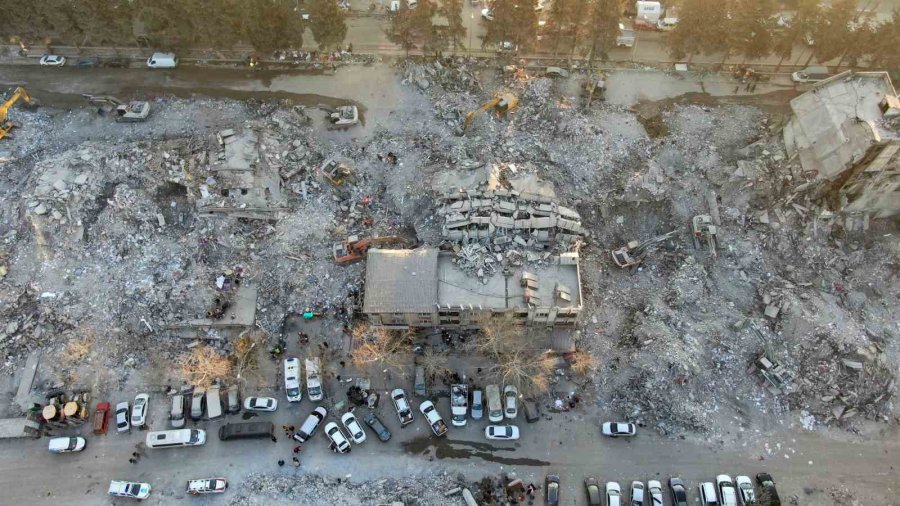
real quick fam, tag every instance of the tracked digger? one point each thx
(5, 124)
(503, 103)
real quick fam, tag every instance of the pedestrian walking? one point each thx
(753, 88)
(132, 460)
(292, 428)
(280, 463)
(274, 439)
(296, 462)
(297, 449)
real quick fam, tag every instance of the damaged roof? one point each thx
(401, 281)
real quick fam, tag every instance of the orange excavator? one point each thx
(5, 124)
(354, 249)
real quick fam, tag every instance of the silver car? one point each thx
(122, 423)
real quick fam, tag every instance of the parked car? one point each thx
(100, 418)
(66, 444)
(503, 432)
(727, 493)
(176, 438)
(654, 490)
(260, 404)
(375, 424)
(487, 14)
(246, 430)
(292, 389)
(613, 494)
(679, 492)
(198, 401)
(87, 62)
(117, 63)
(207, 486)
(310, 425)
(531, 411)
(139, 410)
(494, 406)
(234, 400)
(122, 410)
(419, 386)
(433, 418)
(637, 493)
(176, 416)
(52, 60)
(129, 489)
(401, 404)
(162, 61)
(769, 494)
(339, 442)
(510, 393)
(477, 404)
(213, 403)
(707, 494)
(552, 486)
(745, 490)
(592, 489)
(619, 429)
(357, 434)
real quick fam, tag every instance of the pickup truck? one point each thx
(459, 404)
(434, 418)
(100, 418)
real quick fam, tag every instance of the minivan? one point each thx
(162, 61)
(250, 430)
(810, 75)
(495, 409)
(197, 401)
(292, 380)
(176, 418)
(213, 403)
(175, 438)
(234, 400)
(313, 380)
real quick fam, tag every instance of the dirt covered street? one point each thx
(129, 249)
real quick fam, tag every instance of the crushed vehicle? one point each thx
(433, 418)
(459, 404)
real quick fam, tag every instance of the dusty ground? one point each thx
(93, 276)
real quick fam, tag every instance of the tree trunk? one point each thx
(724, 57)
(778, 67)
(809, 59)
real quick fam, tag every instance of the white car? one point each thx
(613, 494)
(707, 494)
(401, 404)
(357, 434)
(503, 432)
(260, 404)
(207, 486)
(339, 443)
(654, 488)
(637, 493)
(52, 60)
(619, 429)
(487, 14)
(510, 392)
(433, 418)
(727, 493)
(745, 490)
(122, 424)
(139, 410)
(129, 489)
(66, 444)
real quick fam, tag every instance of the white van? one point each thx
(162, 61)
(810, 75)
(176, 418)
(313, 380)
(213, 403)
(292, 380)
(175, 438)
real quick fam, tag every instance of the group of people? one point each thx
(290, 431)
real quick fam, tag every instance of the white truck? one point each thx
(459, 404)
(313, 380)
(292, 380)
(626, 37)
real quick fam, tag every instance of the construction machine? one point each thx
(502, 104)
(594, 88)
(337, 173)
(633, 253)
(130, 112)
(703, 229)
(5, 124)
(354, 249)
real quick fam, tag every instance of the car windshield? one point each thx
(132, 489)
(73, 442)
(138, 402)
(195, 436)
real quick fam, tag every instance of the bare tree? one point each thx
(435, 364)
(203, 365)
(380, 346)
(529, 371)
(583, 362)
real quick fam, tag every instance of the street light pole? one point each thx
(471, 20)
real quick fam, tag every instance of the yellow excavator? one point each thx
(503, 104)
(5, 124)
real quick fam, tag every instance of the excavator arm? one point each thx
(5, 124)
(470, 116)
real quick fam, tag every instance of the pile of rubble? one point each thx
(268, 489)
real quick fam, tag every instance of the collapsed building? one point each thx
(425, 287)
(843, 132)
